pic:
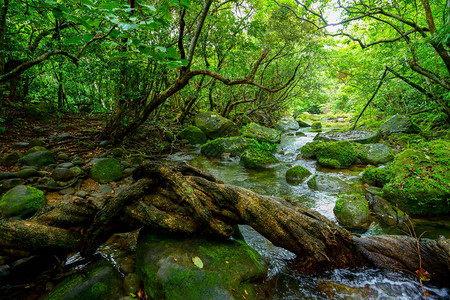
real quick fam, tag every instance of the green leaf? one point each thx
(197, 262)
(114, 33)
(127, 26)
(151, 7)
(87, 37)
(185, 3)
(57, 13)
(73, 40)
(162, 49)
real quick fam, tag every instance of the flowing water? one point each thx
(283, 282)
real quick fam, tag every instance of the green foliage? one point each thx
(376, 176)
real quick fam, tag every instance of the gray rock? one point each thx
(104, 143)
(357, 136)
(399, 123)
(62, 174)
(286, 124)
(328, 183)
(105, 189)
(64, 135)
(8, 184)
(38, 158)
(66, 165)
(261, 133)
(39, 129)
(26, 173)
(385, 213)
(20, 145)
(81, 194)
(63, 156)
(10, 159)
(125, 164)
(215, 126)
(67, 191)
(374, 154)
(128, 172)
(21, 201)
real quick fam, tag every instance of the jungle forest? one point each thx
(224, 149)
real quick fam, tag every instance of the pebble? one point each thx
(67, 191)
(105, 189)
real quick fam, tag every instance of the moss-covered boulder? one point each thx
(106, 170)
(316, 125)
(352, 211)
(357, 136)
(286, 124)
(233, 145)
(255, 158)
(399, 123)
(261, 133)
(331, 154)
(385, 213)
(420, 182)
(376, 176)
(328, 183)
(175, 267)
(99, 281)
(297, 174)
(303, 124)
(215, 126)
(374, 154)
(21, 201)
(9, 159)
(193, 134)
(38, 158)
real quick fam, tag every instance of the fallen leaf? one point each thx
(175, 259)
(227, 262)
(197, 262)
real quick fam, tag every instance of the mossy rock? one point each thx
(193, 134)
(331, 154)
(35, 149)
(420, 182)
(328, 183)
(376, 176)
(386, 214)
(399, 123)
(100, 281)
(261, 133)
(106, 170)
(374, 154)
(286, 124)
(215, 126)
(316, 125)
(38, 158)
(166, 266)
(356, 136)
(10, 159)
(405, 140)
(352, 211)
(21, 201)
(233, 145)
(297, 174)
(303, 124)
(255, 158)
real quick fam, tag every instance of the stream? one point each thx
(283, 282)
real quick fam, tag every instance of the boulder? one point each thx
(357, 136)
(193, 134)
(176, 267)
(331, 154)
(261, 133)
(399, 123)
(8, 184)
(38, 158)
(62, 174)
(233, 145)
(286, 124)
(303, 124)
(316, 125)
(255, 158)
(386, 214)
(297, 174)
(420, 181)
(215, 126)
(106, 170)
(376, 176)
(21, 201)
(328, 183)
(374, 154)
(10, 159)
(26, 173)
(99, 281)
(352, 211)
(35, 149)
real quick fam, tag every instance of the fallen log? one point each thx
(186, 200)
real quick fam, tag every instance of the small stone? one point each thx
(81, 194)
(39, 129)
(67, 165)
(10, 183)
(62, 174)
(128, 172)
(76, 171)
(68, 191)
(35, 149)
(38, 158)
(20, 145)
(63, 156)
(104, 188)
(64, 135)
(10, 159)
(26, 173)
(77, 161)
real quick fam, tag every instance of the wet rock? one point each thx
(385, 213)
(352, 211)
(10, 159)
(62, 174)
(233, 145)
(106, 170)
(128, 172)
(165, 265)
(26, 173)
(76, 171)
(127, 265)
(131, 284)
(334, 290)
(374, 154)
(286, 124)
(105, 143)
(357, 136)
(297, 174)
(399, 123)
(215, 126)
(331, 154)
(328, 183)
(100, 281)
(261, 133)
(21, 201)
(193, 134)
(38, 159)
(255, 158)
(39, 129)
(303, 124)
(8, 184)
(300, 133)
(316, 125)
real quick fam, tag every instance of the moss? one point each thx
(233, 145)
(261, 133)
(376, 176)
(352, 210)
(255, 158)
(21, 201)
(297, 174)
(193, 134)
(106, 170)
(316, 125)
(420, 182)
(309, 149)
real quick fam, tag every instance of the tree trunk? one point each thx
(184, 199)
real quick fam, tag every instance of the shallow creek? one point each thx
(283, 282)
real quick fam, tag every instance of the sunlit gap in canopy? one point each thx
(331, 13)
